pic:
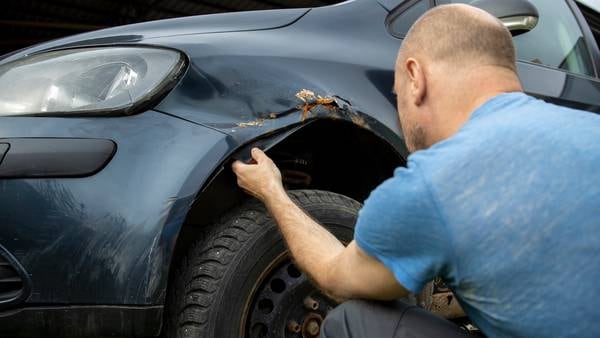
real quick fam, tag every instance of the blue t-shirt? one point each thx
(507, 212)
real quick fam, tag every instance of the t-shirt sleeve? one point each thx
(400, 225)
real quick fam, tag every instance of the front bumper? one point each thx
(106, 238)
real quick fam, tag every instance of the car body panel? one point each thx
(390, 4)
(560, 87)
(249, 84)
(107, 238)
(199, 24)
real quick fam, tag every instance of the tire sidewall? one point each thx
(241, 278)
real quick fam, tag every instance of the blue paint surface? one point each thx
(107, 238)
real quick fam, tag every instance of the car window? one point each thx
(556, 41)
(405, 15)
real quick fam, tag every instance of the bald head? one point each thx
(461, 36)
(453, 59)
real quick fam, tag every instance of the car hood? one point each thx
(200, 24)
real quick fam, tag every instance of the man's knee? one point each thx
(359, 318)
(338, 321)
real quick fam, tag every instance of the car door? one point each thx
(558, 60)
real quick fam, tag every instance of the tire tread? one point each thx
(196, 280)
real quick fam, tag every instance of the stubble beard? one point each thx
(415, 138)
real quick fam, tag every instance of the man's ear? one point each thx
(417, 80)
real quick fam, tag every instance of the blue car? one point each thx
(119, 213)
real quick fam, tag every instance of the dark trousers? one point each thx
(361, 319)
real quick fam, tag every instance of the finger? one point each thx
(236, 166)
(258, 155)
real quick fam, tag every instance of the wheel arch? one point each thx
(328, 154)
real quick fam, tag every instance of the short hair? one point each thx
(461, 35)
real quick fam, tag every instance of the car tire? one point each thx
(237, 280)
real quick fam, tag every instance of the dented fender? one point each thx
(264, 143)
(251, 84)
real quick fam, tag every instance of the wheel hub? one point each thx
(312, 325)
(286, 304)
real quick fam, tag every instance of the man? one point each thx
(500, 198)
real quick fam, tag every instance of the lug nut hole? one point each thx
(278, 285)
(265, 306)
(293, 271)
(259, 330)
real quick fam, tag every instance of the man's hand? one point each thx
(261, 179)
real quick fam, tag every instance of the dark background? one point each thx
(27, 22)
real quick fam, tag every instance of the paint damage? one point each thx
(310, 101)
(334, 107)
(254, 123)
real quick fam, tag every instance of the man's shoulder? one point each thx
(519, 113)
(505, 149)
(507, 126)
(408, 180)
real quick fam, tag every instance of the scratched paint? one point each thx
(335, 108)
(254, 123)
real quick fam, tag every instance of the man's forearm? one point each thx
(312, 246)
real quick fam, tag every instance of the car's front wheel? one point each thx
(239, 281)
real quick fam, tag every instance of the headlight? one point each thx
(99, 80)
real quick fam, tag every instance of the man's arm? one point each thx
(342, 272)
